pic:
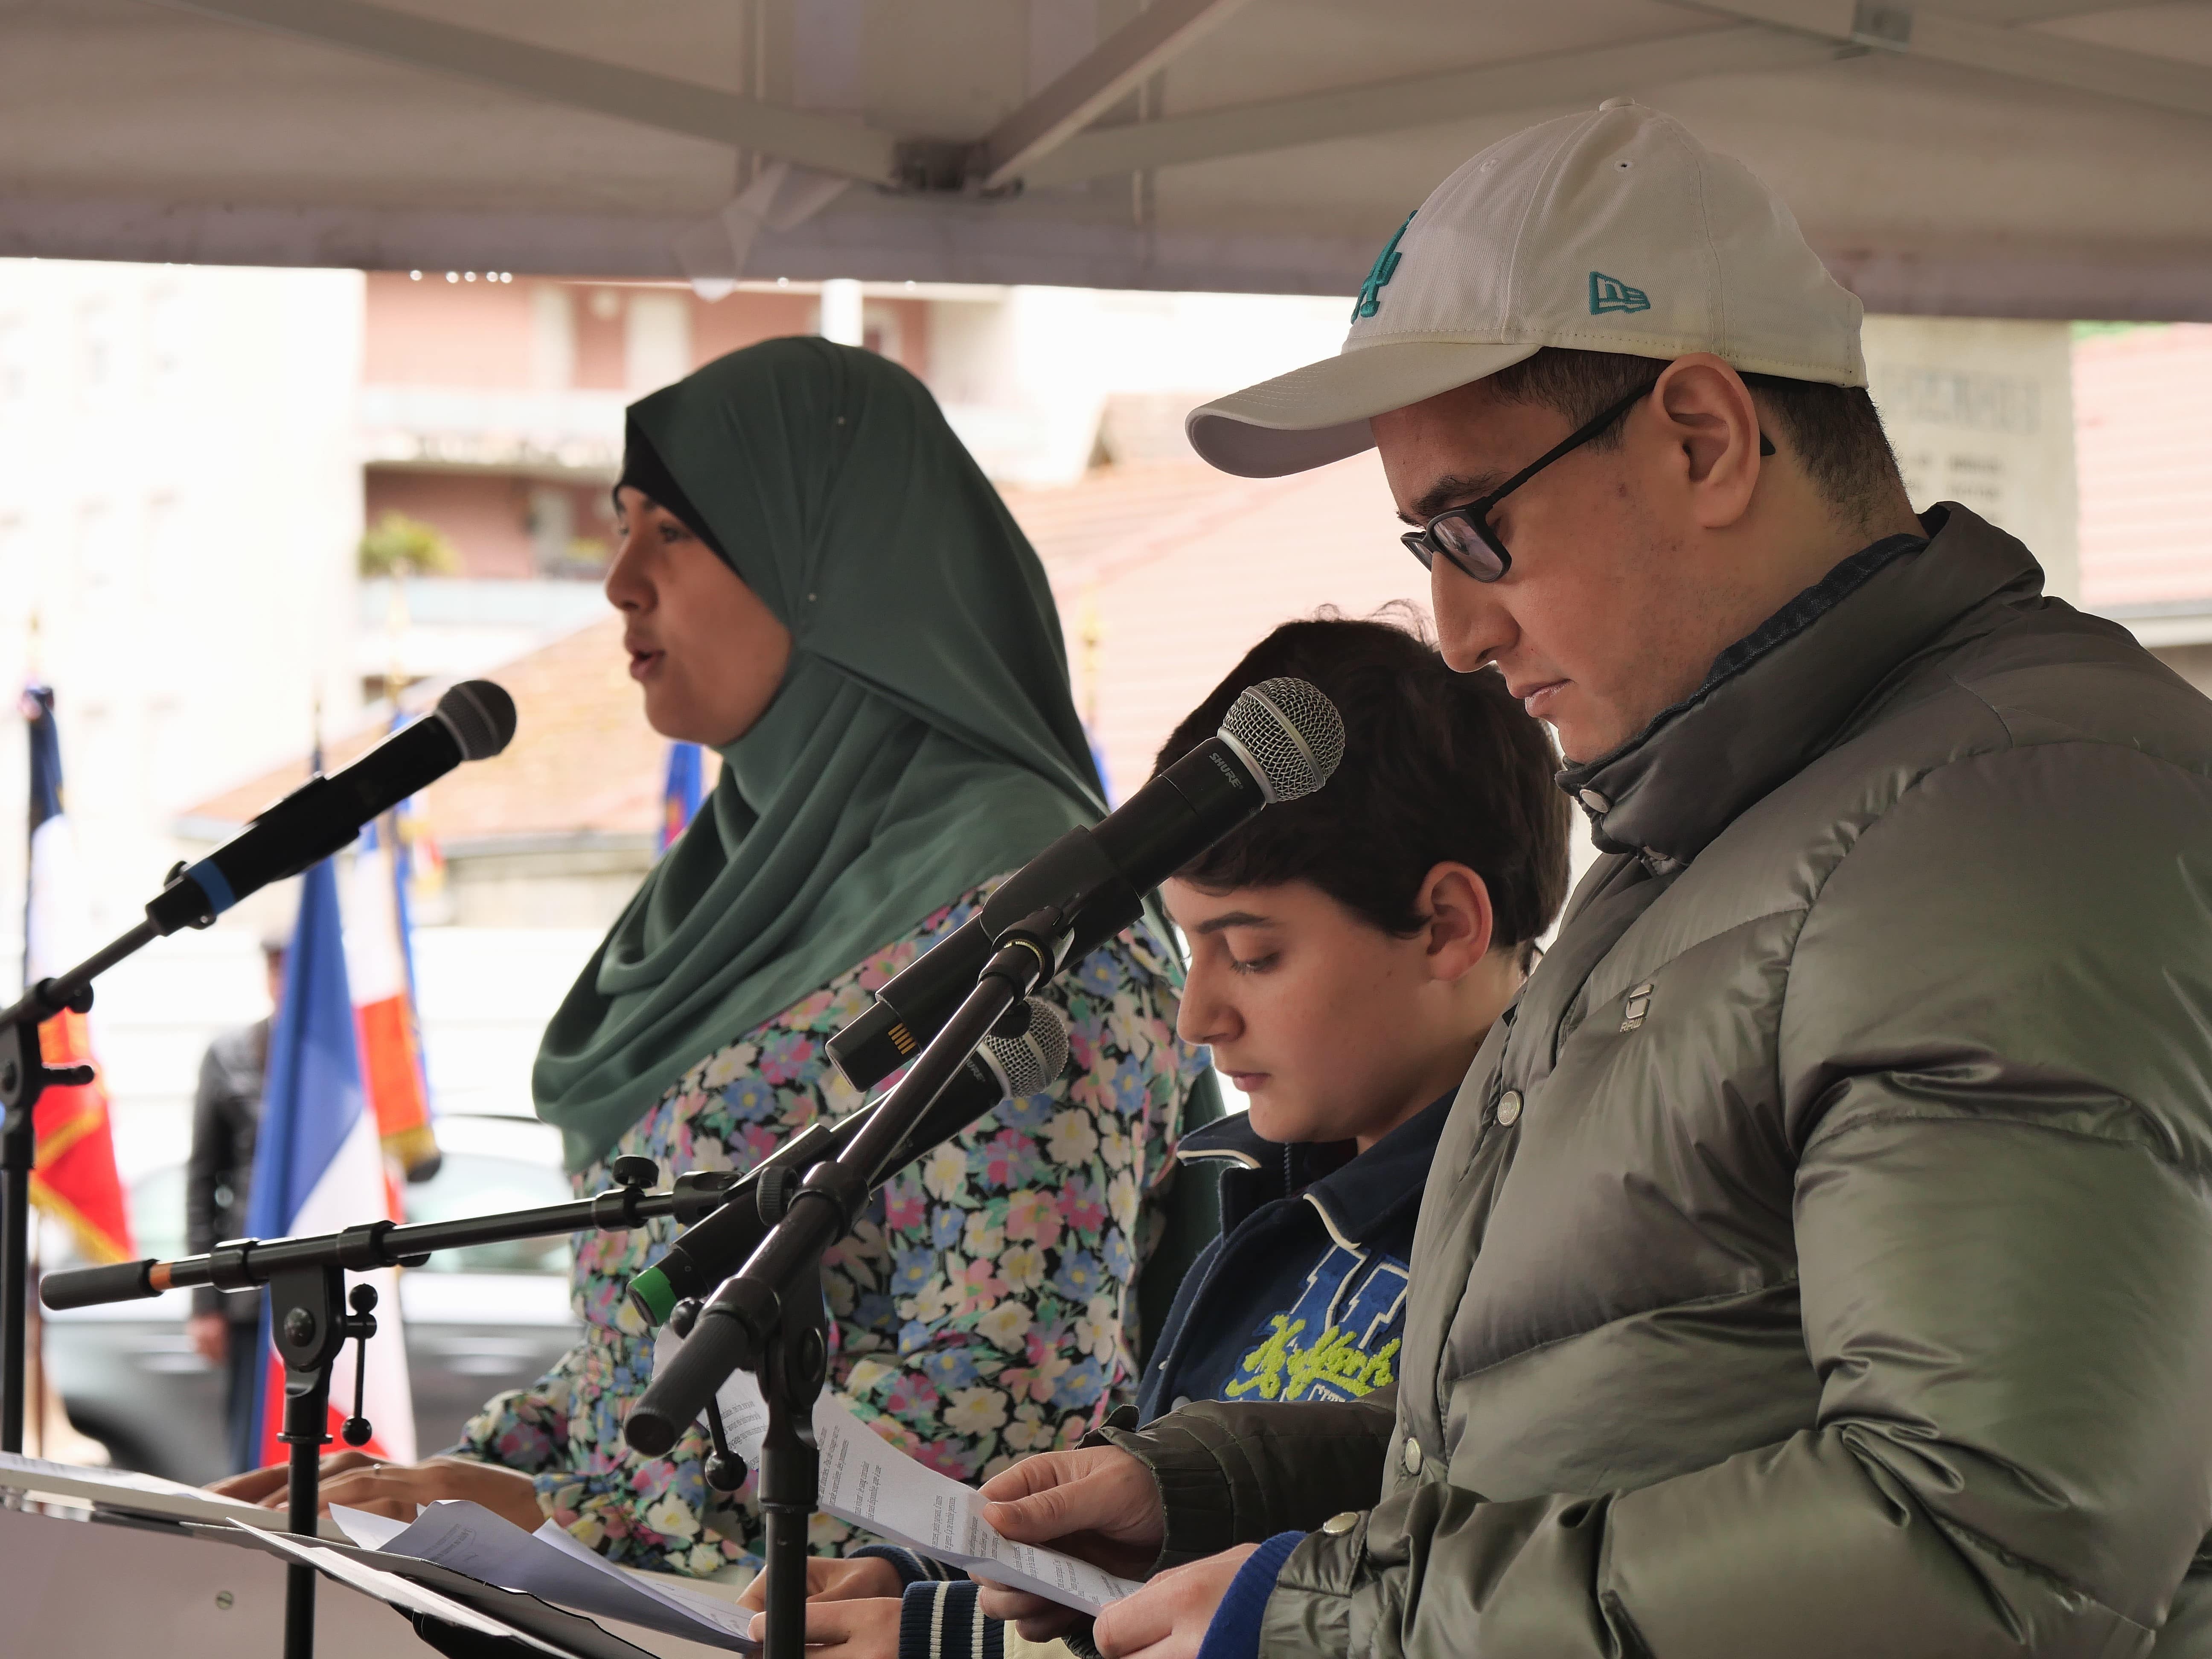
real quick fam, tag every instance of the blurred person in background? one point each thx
(819, 583)
(226, 1117)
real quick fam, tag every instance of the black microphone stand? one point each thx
(311, 1323)
(768, 1317)
(24, 1076)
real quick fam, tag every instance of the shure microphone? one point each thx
(1282, 740)
(711, 1249)
(473, 721)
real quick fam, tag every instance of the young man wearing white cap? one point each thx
(1817, 1258)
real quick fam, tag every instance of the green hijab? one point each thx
(923, 738)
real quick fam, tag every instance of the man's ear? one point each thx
(1711, 426)
(1456, 901)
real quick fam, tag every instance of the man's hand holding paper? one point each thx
(1094, 1502)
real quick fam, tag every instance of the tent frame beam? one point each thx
(1158, 36)
(2020, 54)
(826, 143)
(1050, 140)
(1555, 78)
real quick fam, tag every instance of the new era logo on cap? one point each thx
(1501, 262)
(1611, 293)
(1384, 268)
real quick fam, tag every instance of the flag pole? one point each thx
(18, 1148)
(19, 1153)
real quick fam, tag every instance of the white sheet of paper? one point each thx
(146, 1493)
(403, 1593)
(551, 1566)
(371, 1532)
(872, 1483)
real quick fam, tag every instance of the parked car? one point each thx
(477, 1321)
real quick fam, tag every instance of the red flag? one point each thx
(75, 1178)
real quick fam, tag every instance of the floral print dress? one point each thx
(985, 1308)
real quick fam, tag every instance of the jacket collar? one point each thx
(1357, 1197)
(1784, 693)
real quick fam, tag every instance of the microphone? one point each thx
(473, 721)
(711, 1249)
(1282, 740)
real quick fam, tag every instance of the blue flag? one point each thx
(680, 798)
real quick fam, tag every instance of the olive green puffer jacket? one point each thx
(1818, 1260)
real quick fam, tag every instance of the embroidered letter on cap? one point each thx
(1379, 274)
(1608, 294)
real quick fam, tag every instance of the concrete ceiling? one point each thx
(1990, 157)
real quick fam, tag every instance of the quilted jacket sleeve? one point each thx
(1994, 1053)
(1231, 1474)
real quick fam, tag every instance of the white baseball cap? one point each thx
(1614, 230)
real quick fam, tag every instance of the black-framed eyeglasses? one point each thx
(1465, 535)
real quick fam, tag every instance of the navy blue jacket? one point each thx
(1303, 1297)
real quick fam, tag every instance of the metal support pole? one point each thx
(24, 1076)
(309, 1327)
(307, 1426)
(18, 1147)
(793, 1366)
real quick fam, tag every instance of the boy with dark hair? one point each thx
(1349, 951)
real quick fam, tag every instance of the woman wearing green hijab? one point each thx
(817, 581)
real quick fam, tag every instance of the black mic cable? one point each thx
(1004, 1067)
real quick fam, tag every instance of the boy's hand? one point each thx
(1097, 1503)
(1166, 1619)
(832, 1578)
(847, 1629)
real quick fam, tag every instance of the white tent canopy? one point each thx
(1990, 157)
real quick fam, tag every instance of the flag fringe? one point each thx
(89, 1238)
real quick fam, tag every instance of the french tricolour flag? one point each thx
(317, 1165)
(380, 967)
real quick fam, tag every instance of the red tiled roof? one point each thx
(2143, 426)
(1184, 568)
(583, 759)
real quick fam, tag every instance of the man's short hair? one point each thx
(1437, 767)
(1833, 430)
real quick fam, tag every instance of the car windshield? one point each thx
(478, 1183)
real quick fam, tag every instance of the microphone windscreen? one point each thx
(1290, 733)
(480, 715)
(1032, 1060)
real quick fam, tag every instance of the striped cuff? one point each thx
(1235, 1631)
(912, 1568)
(945, 1621)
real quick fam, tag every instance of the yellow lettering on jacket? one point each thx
(1280, 1369)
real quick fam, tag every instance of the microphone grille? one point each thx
(1293, 733)
(1032, 1060)
(480, 715)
